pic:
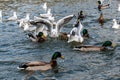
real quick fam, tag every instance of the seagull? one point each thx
(47, 14)
(14, 17)
(1, 16)
(75, 34)
(118, 7)
(22, 21)
(115, 24)
(54, 27)
(28, 27)
(44, 6)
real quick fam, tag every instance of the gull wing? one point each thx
(80, 27)
(63, 21)
(42, 21)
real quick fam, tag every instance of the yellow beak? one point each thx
(62, 57)
(114, 45)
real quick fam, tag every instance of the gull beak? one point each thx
(62, 57)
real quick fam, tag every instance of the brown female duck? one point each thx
(101, 19)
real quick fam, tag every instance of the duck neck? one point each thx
(53, 63)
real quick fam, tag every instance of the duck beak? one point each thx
(44, 36)
(114, 45)
(62, 57)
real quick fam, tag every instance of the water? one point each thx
(16, 48)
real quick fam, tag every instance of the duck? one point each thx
(101, 6)
(1, 16)
(85, 34)
(75, 33)
(40, 37)
(13, 18)
(40, 65)
(53, 27)
(81, 15)
(101, 19)
(95, 48)
(115, 24)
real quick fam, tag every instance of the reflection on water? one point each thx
(16, 48)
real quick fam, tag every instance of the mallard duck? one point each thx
(63, 36)
(42, 66)
(13, 18)
(54, 27)
(85, 34)
(95, 48)
(81, 15)
(101, 19)
(37, 38)
(115, 24)
(101, 6)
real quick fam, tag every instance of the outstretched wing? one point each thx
(63, 21)
(42, 21)
(80, 27)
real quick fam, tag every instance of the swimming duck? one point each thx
(81, 15)
(54, 27)
(115, 24)
(42, 66)
(37, 38)
(13, 18)
(101, 6)
(101, 19)
(1, 16)
(95, 48)
(85, 34)
(75, 33)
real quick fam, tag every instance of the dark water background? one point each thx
(16, 48)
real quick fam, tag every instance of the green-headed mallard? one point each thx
(41, 66)
(95, 48)
(85, 34)
(101, 6)
(81, 15)
(37, 38)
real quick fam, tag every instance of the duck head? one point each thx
(99, 2)
(108, 43)
(85, 33)
(40, 34)
(57, 55)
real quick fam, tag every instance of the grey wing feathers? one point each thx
(64, 20)
(42, 21)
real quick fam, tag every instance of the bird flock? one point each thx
(45, 25)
